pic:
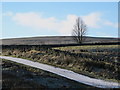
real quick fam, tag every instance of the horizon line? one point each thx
(59, 36)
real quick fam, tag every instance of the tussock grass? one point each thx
(98, 61)
(87, 47)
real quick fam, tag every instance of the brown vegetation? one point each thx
(99, 62)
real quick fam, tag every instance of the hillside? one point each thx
(53, 40)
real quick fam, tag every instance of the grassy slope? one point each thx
(95, 61)
(106, 55)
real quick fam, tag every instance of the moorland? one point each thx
(97, 57)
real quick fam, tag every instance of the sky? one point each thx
(31, 19)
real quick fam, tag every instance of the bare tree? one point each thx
(79, 31)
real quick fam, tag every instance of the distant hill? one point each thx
(50, 40)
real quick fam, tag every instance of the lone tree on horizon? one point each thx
(79, 31)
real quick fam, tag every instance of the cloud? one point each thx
(92, 19)
(67, 25)
(64, 27)
(109, 23)
(35, 20)
(9, 13)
